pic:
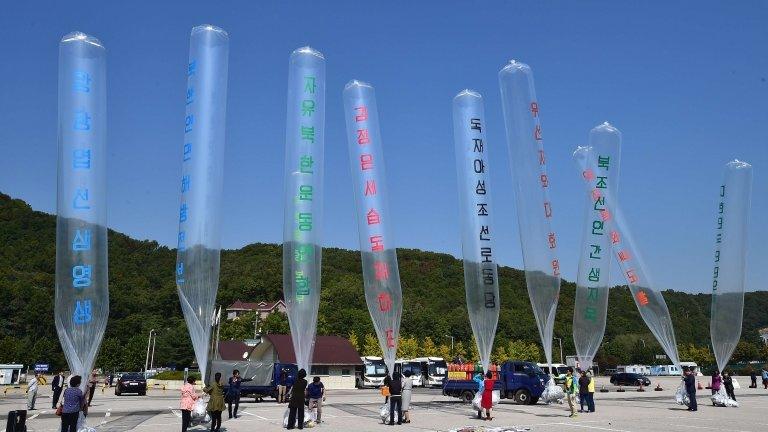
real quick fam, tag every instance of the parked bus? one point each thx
(558, 370)
(372, 373)
(411, 366)
(434, 371)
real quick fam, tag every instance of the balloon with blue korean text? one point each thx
(82, 291)
(201, 185)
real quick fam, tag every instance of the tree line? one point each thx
(143, 297)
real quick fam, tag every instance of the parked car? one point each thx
(131, 382)
(629, 379)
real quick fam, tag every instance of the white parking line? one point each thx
(37, 414)
(579, 425)
(257, 416)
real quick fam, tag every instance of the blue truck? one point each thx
(260, 379)
(521, 381)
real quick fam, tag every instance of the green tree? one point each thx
(240, 328)
(444, 351)
(354, 341)
(371, 346)
(499, 355)
(276, 323)
(458, 350)
(428, 348)
(746, 352)
(473, 355)
(407, 347)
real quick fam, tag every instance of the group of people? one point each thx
(584, 386)
(397, 391)
(725, 381)
(217, 400)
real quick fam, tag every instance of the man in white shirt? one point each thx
(57, 385)
(32, 392)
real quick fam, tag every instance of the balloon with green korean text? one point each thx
(593, 279)
(302, 229)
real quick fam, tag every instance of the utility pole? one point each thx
(146, 361)
(451, 336)
(152, 359)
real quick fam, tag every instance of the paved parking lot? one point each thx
(357, 410)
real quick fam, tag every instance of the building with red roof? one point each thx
(335, 360)
(264, 308)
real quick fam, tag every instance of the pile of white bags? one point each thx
(552, 393)
(310, 418)
(495, 398)
(199, 413)
(681, 396)
(721, 399)
(384, 414)
(82, 426)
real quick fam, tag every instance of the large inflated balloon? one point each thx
(481, 279)
(302, 229)
(82, 291)
(534, 208)
(610, 222)
(729, 273)
(199, 239)
(381, 276)
(593, 280)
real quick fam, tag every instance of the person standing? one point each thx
(57, 385)
(486, 401)
(728, 384)
(571, 387)
(396, 399)
(591, 392)
(296, 401)
(233, 393)
(111, 379)
(479, 380)
(188, 397)
(282, 385)
(765, 377)
(73, 401)
(752, 378)
(385, 388)
(316, 393)
(92, 386)
(583, 391)
(407, 393)
(32, 391)
(716, 382)
(216, 402)
(690, 388)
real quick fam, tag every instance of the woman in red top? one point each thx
(487, 400)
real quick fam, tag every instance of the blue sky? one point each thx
(684, 81)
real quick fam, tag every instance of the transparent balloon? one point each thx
(381, 276)
(593, 280)
(199, 238)
(534, 209)
(730, 261)
(610, 222)
(82, 290)
(302, 232)
(480, 270)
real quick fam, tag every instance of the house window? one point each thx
(319, 370)
(345, 372)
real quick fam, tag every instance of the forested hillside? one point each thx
(143, 297)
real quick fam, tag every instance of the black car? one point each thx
(131, 383)
(629, 379)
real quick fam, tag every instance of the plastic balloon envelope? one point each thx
(534, 209)
(481, 279)
(729, 272)
(302, 232)
(82, 291)
(647, 296)
(381, 277)
(199, 238)
(593, 280)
